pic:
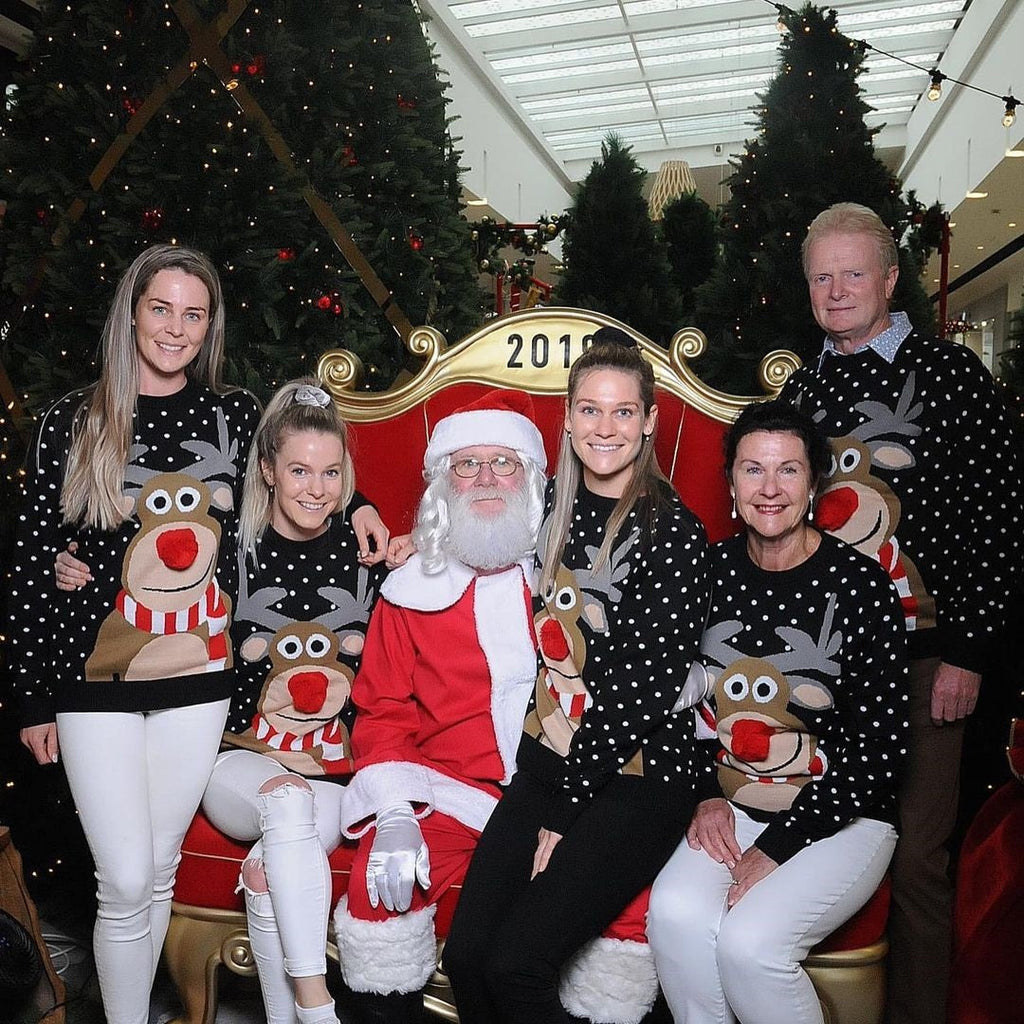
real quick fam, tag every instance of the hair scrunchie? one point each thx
(310, 394)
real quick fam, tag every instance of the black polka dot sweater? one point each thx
(927, 480)
(151, 629)
(614, 650)
(299, 627)
(810, 692)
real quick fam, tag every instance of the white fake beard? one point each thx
(495, 540)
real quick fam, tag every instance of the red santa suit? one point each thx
(447, 672)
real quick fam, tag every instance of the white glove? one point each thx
(398, 858)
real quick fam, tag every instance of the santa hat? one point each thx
(501, 417)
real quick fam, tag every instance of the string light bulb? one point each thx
(935, 89)
(1010, 114)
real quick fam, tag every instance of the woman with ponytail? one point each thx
(605, 781)
(304, 600)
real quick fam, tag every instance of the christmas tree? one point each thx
(688, 227)
(267, 135)
(615, 262)
(813, 149)
(304, 146)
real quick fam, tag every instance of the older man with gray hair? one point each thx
(926, 478)
(448, 668)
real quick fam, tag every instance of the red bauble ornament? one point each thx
(415, 241)
(405, 104)
(330, 302)
(348, 156)
(256, 65)
(286, 254)
(152, 219)
(131, 105)
(236, 68)
(41, 215)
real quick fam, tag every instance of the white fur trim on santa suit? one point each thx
(503, 627)
(410, 587)
(381, 785)
(496, 427)
(610, 981)
(396, 955)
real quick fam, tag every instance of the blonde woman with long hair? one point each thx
(129, 678)
(304, 600)
(606, 772)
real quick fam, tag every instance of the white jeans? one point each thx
(296, 826)
(137, 780)
(716, 964)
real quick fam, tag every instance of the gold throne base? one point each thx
(850, 984)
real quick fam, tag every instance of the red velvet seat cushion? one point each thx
(865, 928)
(210, 863)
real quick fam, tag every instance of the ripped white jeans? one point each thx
(295, 825)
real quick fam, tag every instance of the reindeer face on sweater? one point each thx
(856, 506)
(171, 561)
(768, 754)
(307, 686)
(772, 754)
(577, 600)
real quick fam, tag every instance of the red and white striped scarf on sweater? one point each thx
(209, 609)
(572, 704)
(889, 556)
(330, 737)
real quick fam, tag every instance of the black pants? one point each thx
(510, 936)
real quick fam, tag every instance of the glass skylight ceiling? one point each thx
(667, 74)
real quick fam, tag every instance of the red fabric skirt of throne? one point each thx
(208, 931)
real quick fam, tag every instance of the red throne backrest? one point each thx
(533, 350)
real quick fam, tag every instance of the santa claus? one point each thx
(447, 671)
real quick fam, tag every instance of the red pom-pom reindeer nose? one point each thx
(308, 691)
(835, 507)
(750, 739)
(177, 548)
(553, 644)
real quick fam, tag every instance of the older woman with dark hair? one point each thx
(806, 669)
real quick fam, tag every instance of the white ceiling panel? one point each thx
(666, 74)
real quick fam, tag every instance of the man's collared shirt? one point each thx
(886, 344)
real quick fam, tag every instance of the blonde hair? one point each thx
(647, 486)
(852, 219)
(285, 416)
(103, 427)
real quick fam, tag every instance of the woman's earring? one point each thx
(810, 508)
(732, 514)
